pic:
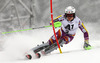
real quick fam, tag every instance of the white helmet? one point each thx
(70, 10)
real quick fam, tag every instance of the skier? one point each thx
(70, 23)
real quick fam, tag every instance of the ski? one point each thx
(43, 49)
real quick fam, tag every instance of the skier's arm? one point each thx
(86, 46)
(85, 32)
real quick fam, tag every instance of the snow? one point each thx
(17, 44)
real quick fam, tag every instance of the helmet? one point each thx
(70, 10)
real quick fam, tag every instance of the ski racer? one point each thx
(70, 23)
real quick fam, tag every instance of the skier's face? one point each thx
(70, 17)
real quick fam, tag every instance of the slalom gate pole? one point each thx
(53, 26)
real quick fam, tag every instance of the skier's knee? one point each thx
(51, 41)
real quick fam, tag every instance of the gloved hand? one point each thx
(87, 46)
(57, 24)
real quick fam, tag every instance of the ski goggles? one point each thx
(70, 15)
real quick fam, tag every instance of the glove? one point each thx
(87, 46)
(57, 24)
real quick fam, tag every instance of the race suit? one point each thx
(68, 29)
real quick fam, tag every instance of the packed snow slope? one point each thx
(16, 44)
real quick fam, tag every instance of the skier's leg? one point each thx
(49, 42)
(64, 40)
(68, 38)
(54, 46)
(52, 40)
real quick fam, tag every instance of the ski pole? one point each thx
(26, 29)
(56, 24)
(53, 26)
